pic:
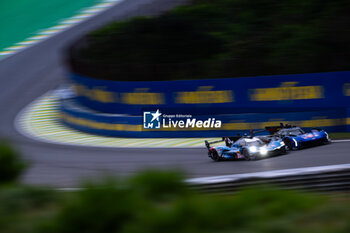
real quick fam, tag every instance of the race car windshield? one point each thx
(255, 143)
(292, 132)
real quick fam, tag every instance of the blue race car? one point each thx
(247, 147)
(296, 138)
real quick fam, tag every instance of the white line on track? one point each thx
(341, 140)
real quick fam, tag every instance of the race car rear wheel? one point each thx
(214, 155)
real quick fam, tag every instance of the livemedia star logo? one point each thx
(157, 120)
(151, 120)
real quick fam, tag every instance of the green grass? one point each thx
(21, 18)
(335, 136)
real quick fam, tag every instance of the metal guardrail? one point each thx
(334, 178)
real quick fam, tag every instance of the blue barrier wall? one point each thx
(307, 100)
(301, 91)
(117, 125)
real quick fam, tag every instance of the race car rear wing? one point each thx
(253, 133)
(207, 144)
(275, 129)
(228, 141)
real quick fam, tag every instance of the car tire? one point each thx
(214, 155)
(246, 155)
(283, 150)
(326, 141)
(288, 143)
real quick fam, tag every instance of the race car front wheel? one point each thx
(247, 155)
(283, 150)
(326, 141)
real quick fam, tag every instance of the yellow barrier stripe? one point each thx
(348, 121)
(100, 125)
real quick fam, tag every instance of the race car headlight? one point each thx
(253, 149)
(282, 143)
(263, 150)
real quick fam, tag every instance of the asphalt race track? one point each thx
(32, 72)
